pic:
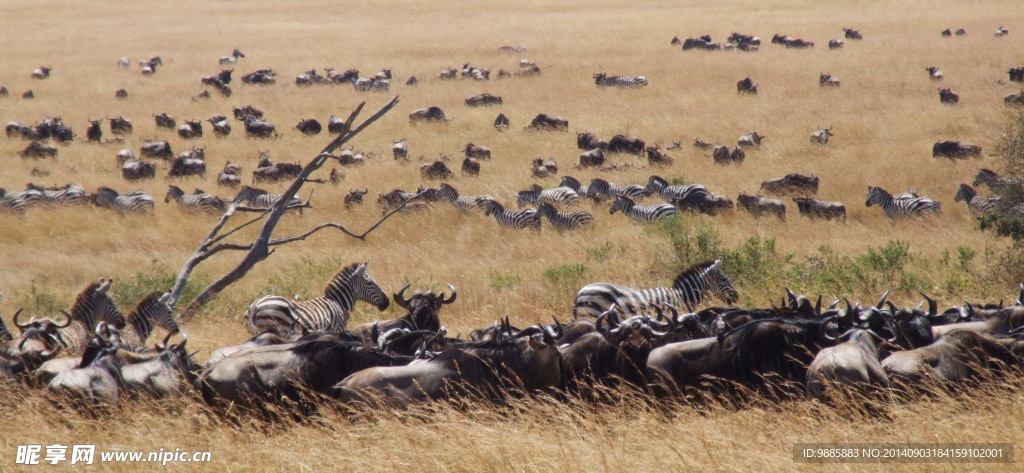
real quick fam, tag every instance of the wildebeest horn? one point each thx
(817, 307)
(792, 297)
(47, 355)
(450, 299)
(554, 333)
(892, 307)
(375, 332)
(823, 328)
(16, 323)
(400, 298)
(67, 321)
(1020, 298)
(881, 302)
(932, 306)
(163, 344)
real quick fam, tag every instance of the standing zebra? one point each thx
(71, 194)
(329, 313)
(904, 207)
(1003, 185)
(630, 82)
(574, 184)
(975, 202)
(13, 205)
(518, 219)
(152, 311)
(642, 213)
(557, 196)
(608, 190)
(688, 290)
(198, 201)
(91, 306)
(132, 202)
(565, 220)
(465, 203)
(657, 185)
(260, 198)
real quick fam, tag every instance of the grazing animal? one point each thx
(38, 150)
(164, 120)
(821, 135)
(536, 195)
(94, 132)
(436, 170)
(852, 33)
(258, 128)
(655, 157)
(134, 169)
(430, 114)
(124, 63)
(688, 289)
(592, 158)
(605, 189)
(835, 43)
(758, 205)
(827, 80)
(544, 121)
(135, 202)
(501, 122)
(625, 82)
(1016, 74)
(790, 184)
(42, 72)
(948, 97)
(657, 185)
(957, 357)
(565, 220)
(189, 163)
(309, 127)
(642, 213)
(955, 150)
(159, 149)
(815, 208)
(746, 86)
(483, 100)
(230, 176)
(470, 166)
(473, 151)
(975, 202)
(1001, 185)
(852, 364)
(221, 126)
(198, 201)
(934, 73)
(148, 66)
(901, 207)
(329, 313)
(120, 126)
(750, 140)
(260, 77)
(589, 141)
(626, 144)
(517, 219)
(354, 197)
(191, 129)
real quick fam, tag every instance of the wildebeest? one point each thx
(1016, 74)
(189, 163)
(258, 128)
(268, 171)
(473, 151)
(959, 356)
(94, 132)
(1001, 31)
(655, 157)
(588, 141)
(815, 208)
(746, 86)
(309, 126)
(436, 170)
(221, 126)
(851, 33)
(955, 150)
(501, 122)
(1014, 99)
(125, 155)
(354, 197)
(28, 94)
(168, 373)
(934, 73)
(97, 379)
(544, 121)
(827, 80)
(542, 168)
(241, 113)
(191, 129)
(626, 144)
(750, 140)
(430, 114)
(38, 150)
(164, 120)
(722, 155)
(42, 72)
(852, 364)
(759, 205)
(705, 203)
(483, 100)
(260, 77)
(335, 125)
(423, 308)
(133, 170)
(148, 66)
(790, 184)
(835, 43)
(821, 135)
(159, 149)
(949, 97)
(470, 166)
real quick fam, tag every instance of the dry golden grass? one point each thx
(885, 116)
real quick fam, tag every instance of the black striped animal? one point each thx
(465, 203)
(688, 290)
(13, 205)
(518, 219)
(329, 313)
(259, 198)
(657, 185)
(998, 184)
(975, 202)
(537, 195)
(625, 82)
(901, 207)
(135, 202)
(233, 58)
(642, 213)
(574, 184)
(197, 201)
(91, 307)
(69, 194)
(605, 189)
(565, 220)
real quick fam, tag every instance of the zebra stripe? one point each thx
(329, 313)
(642, 213)
(1017, 211)
(571, 183)
(903, 207)
(151, 311)
(71, 194)
(604, 188)
(657, 185)
(688, 290)
(465, 203)
(195, 202)
(565, 220)
(367, 84)
(13, 205)
(975, 202)
(132, 202)
(603, 80)
(556, 196)
(260, 198)
(518, 219)
(91, 307)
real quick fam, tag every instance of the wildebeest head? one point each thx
(40, 339)
(424, 308)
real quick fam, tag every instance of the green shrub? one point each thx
(158, 277)
(503, 280)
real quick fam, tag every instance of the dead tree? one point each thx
(260, 248)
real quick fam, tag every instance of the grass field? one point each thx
(885, 117)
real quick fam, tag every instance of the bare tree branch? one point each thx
(260, 248)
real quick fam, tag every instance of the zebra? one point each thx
(1002, 185)
(975, 202)
(329, 313)
(642, 213)
(70, 194)
(198, 201)
(565, 220)
(518, 219)
(657, 185)
(371, 84)
(574, 184)
(132, 202)
(151, 311)
(13, 205)
(260, 198)
(557, 196)
(465, 203)
(629, 82)
(606, 189)
(91, 306)
(688, 290)
(900, 208)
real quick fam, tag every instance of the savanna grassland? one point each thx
(885, 117)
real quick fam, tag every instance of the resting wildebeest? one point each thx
(94, 132)
(815, 208)
(589, 141)
(1016, 74)
(544, 121)
(309, 126)
(501, 122)
(958, 357)
(852, 364)
(746, 86)
(430, 114)
(424, 313)
(119, 125)
(258, 128)
(821, 135)
(657, 158)
(852, 33)
(955, 150)
(481, 370)
(626, 144)
(614, 352)
(752, 139)
(480, 152)
(759, 205)
(947, 96)
(835, 43)
(436, 170)
(96, 380)
(791, 184)
(164, 120)
(400, 150)
(483, 100)
(189, 163)
(169, 373)
(592, 158)
(1014, 99)
(37, 150)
